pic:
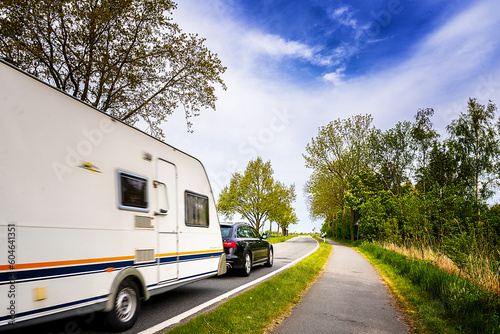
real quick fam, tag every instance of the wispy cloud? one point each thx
(344, 16)
(276, 46)
(335, 77)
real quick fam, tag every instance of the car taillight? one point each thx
(229, 244)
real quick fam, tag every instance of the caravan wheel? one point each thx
(127, 305)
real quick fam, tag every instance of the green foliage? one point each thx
(125, 57)
(457, 248)
(411, 188)
(324, 195)
(257, 197)
(475, 143)
(391, 154)
(339, 151)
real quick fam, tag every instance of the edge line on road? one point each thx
(194, 310)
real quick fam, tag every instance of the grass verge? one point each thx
(257, 309)
(423, 312)
(275, 240)
(435, 300)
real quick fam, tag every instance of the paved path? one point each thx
(349, 297)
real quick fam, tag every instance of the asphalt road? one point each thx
(162, 307)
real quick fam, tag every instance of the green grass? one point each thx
(258, 308)
(422, 310)
(436, 301)
(275, 240)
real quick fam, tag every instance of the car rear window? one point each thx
(226, 231)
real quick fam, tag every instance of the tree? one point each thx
(256, 196)
(124, 57)
(392, 155)
(325, 197)
(423, 135)
(339, 150)
(366, 193)
(282, 212)
(473, 137)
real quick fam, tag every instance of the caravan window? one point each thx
(196, 209)
(132, 192)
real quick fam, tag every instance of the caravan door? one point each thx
(166, 218)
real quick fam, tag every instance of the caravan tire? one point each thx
(126, 309)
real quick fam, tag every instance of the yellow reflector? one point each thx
(40, 293)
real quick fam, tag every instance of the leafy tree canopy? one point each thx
(474, 141)
(125, 57)
(339, 150)
(257, 197)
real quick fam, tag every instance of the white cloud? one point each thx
(335, 77)
(345, 17)
(276, 46)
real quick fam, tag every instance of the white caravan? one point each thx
(94, 214)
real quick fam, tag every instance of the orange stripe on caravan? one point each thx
(165, 254)
(65, 263)
(86, 261)
(188, 253)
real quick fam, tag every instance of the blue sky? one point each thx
(294, 66)
(353, 36)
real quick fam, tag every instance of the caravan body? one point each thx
(93, 212)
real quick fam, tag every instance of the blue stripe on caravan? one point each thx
(185, 258)
(34, 274)
(189, 257)
(168, 259)
(19, 276)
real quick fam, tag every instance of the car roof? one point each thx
(229, 224)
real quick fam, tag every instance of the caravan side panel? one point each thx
(82, 191)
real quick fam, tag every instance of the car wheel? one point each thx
(247, 265)
(127, 305)
(270, 258)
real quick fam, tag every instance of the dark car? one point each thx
(245, 247)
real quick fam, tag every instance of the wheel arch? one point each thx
(126, 274)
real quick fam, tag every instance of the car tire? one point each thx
(247, 264)
(270, 258)
(126, 308)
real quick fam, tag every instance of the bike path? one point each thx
(349, 297)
